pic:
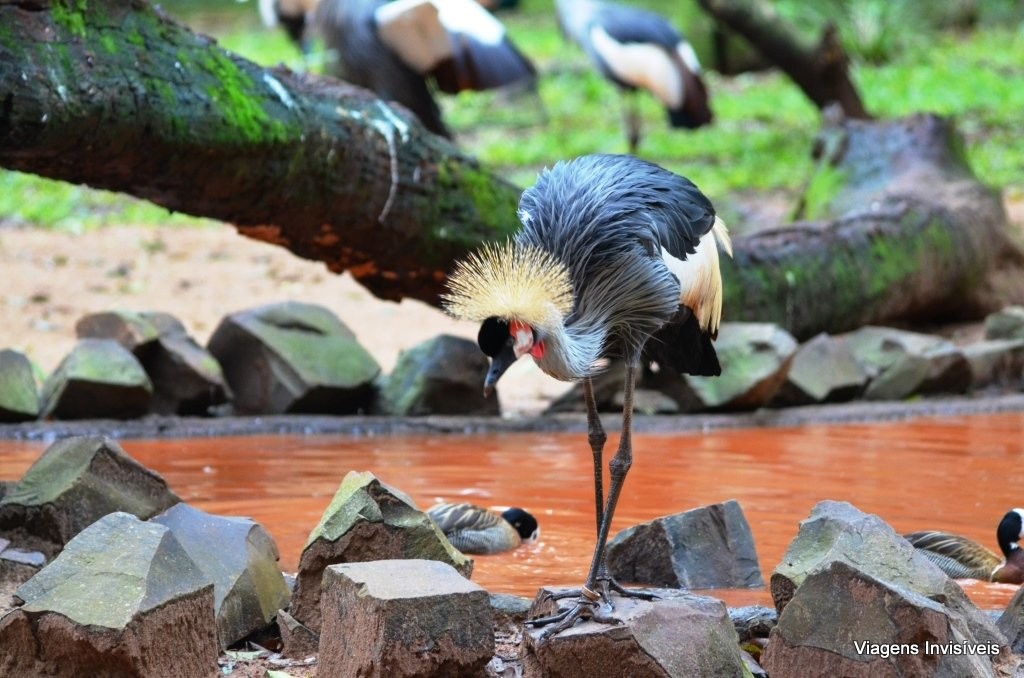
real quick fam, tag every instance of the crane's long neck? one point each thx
(571, 351)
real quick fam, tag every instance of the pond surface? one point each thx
(957, 474)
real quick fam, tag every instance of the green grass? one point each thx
(764, 126)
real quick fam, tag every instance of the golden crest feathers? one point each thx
(510, 281)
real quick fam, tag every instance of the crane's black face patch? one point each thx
(494, 334)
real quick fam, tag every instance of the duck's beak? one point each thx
(499, 364)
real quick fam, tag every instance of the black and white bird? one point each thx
(293, 16)
(637, 49)
(478, 531)
(615, 255)
(400, 49)
(960, 557)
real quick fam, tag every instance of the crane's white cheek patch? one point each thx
(523, 342)
(642, 65)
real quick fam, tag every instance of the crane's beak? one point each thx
(499, 364)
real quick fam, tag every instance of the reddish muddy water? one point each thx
(956, 474)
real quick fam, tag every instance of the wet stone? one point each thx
(443, 375)
(403, 618)
(823, 371)
(99, 379)
(297, 641)
(366, 520)
(240, 557)
(77, 481)
(679, 634)
(293, 357)
(19, 398)
(1007, 323)
(704, 548)
(996, 362)
(105, 604)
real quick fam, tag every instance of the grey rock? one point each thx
(1005, 324)
(839, 606)
(823, 371)
(77, 481)
(902, 364)
(105, 605)
(1011, 622)
(99, 379)
(509, 609)
(443, 375)
(755, 359)
(403, 618)
(680, 634)
(366, 520)
(293, 357)
(753, 621)
(996, 362)
(133, 330)
(704, 548)
(297, 641)
(19, 399)
(186, 378)
(838, 531)
(240, 557)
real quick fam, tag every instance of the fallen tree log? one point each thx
(907, 233)
(120, 97)
(117, 96)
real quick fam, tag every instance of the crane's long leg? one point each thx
(631, 115)
(596, 589)
(597, 438)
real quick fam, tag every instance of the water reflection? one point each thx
(957, 474)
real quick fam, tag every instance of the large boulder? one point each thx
(403, 618)
(443, 375)
(240, 558)
(843, 621)
(902, 364)
(186, 378)
(293, 357)
(19, 398)
(996, 362)
(366, 520)
(1011, 622)
(1005, 324)
(839, 532)
(823, 371)
(77, 481)
(98, 379)
(122, 599)
(704, 548)
(755, 359)
(680, 634)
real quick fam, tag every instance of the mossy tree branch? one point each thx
(113, 94)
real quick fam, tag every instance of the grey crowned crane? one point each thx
(476, 531)
(960, 557)
(395, 48)
(615, 255)
(637, 49)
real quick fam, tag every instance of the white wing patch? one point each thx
(642, 65)
(689, 57)
(700, 277)
(412, 29)
(469, 17)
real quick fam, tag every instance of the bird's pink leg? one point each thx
(599, 582)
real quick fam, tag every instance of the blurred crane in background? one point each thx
(637, 49)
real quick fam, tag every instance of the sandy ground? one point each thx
(50, 280)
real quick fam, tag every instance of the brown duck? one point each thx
(961, 558)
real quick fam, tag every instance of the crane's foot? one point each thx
(593, 604)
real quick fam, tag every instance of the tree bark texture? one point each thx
(119, 97)
(909, 234)
(821, 70)
(112, 94)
